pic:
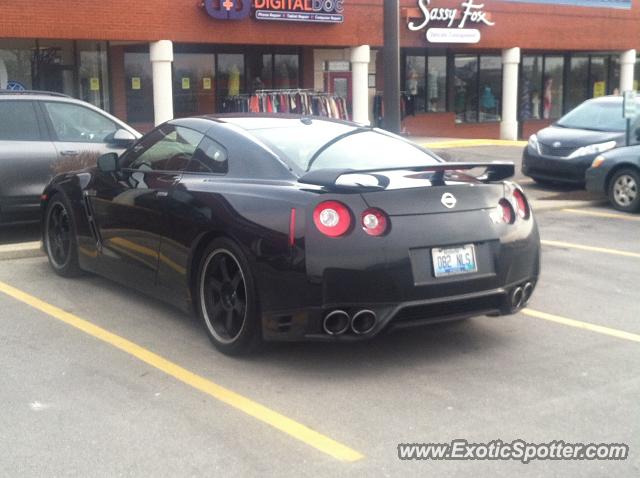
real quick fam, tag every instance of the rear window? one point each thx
(596, 116)
(18, 121)
(334, 145)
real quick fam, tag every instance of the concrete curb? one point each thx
(21, 250)
(541, 205)
(470, 143)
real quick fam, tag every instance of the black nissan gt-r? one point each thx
(296, 228)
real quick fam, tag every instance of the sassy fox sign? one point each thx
(456, 22)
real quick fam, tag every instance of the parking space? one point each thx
(92, 408)
(561, 369)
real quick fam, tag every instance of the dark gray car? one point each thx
(565, 150)
(42, 134)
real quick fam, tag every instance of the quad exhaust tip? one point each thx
(520, 295)
(516, 298)
(336, 322)
(363, 322)
(527, 290)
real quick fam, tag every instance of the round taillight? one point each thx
(332, 218)
(374, 222)
(508, 216)
(522, 208)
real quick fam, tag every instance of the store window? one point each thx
(93, 73)
(437, 83)
(530, 86)
(230, 74)
(477, 88)
(614, 75)
(425, 83)
(75, 68)
(415, 84)
(577, 81)
(277, 71)
(15, 64)
(490, 88)
(465, 83)
(139, 87)
(552, 87)
(598, 77)
(193, 84)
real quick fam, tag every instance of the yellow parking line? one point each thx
(581, 247)
(607, 215)
(260, 412)
(469, 143)
(620, 334)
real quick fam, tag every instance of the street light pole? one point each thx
(391, 59)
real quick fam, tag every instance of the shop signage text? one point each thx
(456, 20)
(316, 11)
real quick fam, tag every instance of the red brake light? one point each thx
(508, 215)
(374, 222)
(522, 208)
(332, 218)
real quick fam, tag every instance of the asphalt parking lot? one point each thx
(99, 381)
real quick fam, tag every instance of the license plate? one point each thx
(454, 260)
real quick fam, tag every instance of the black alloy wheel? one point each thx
(227, 298)
(59, 237)
(624, 190)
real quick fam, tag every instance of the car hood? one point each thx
(576, 138)
(629, 154)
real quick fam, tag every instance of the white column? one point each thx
(360, 83)
(161, 53)
(509, 124)
(627, 68)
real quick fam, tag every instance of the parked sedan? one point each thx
(565, 150)
(43, 133)
(296, 228)
(617, 174)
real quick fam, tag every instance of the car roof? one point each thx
(31, 95)
(254, 121)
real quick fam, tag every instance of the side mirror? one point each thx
(108, 163)
(123, 137)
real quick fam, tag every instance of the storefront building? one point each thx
(500, 68)
(507, 68)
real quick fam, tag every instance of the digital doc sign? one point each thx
(314, 11)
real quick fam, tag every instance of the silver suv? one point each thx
(42, 134)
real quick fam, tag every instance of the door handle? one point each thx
(69, 153)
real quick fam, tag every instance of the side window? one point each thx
(18, 121)
(168, 148)
(75, 123)
(210, 157)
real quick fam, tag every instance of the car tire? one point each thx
(59, 237)
(227, 299)
(624, 190)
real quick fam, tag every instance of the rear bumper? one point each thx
(571, 171)
(307, 325)
(404, 292)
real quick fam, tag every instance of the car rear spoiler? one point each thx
(494, 171)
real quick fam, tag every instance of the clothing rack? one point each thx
(288, 100)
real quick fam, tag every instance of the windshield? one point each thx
(335, 145)
(597, 116)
